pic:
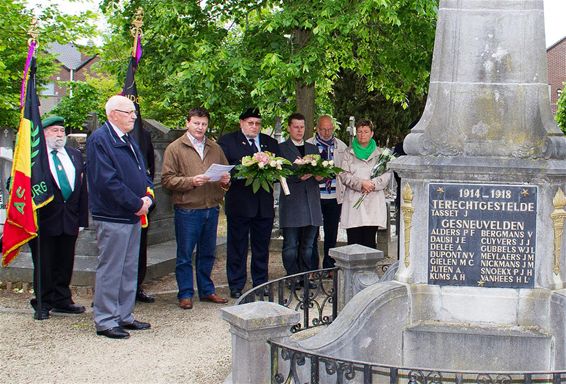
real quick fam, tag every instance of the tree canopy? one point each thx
(230, 54)
(14, 24)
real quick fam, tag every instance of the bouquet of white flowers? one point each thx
(316, 166)
(263, 169)
(378, 169)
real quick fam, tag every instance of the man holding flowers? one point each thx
(249, 214)
(196, 199)
(299, 212)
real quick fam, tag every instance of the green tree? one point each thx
(391, 120)
(280, 55)
(561, 111)
(14, 23)
(87, 97)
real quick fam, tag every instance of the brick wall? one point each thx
(556, 56)
(48, 102)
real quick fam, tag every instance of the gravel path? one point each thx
(183, 346)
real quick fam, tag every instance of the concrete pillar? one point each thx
(251, 326)
(356, 268)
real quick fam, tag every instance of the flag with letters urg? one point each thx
(30, 177)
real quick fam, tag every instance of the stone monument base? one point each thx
(401, 324)
(463, 346)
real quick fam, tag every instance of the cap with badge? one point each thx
(250, 112)
(53, 120)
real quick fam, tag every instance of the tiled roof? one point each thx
(68, 55)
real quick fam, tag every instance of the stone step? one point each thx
(459, 346)
(161, 261)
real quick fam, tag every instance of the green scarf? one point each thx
(361, 152)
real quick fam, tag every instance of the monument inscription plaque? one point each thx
(482, 235)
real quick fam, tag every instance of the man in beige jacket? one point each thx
(196, 199)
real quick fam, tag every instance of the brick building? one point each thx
(74, 66)
(556, 55)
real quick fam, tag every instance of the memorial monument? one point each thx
(482, 263)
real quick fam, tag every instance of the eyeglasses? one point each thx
(131, 113)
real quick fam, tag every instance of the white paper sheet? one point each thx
(216, 171)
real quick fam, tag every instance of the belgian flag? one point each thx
(30, 177)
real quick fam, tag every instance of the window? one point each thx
(49, 89)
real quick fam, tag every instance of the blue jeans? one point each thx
(195, 227)
(297, 248)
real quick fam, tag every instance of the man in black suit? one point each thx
(149, 158)
(59, 223)
(248, 214)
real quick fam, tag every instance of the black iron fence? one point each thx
(311, 293)
(293, 365)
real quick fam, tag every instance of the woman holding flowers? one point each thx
(364, 178)
(299, 212)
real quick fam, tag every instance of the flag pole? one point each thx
(130, 88)
(136, 30)
(33, 32)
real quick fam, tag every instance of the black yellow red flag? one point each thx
(30, 177)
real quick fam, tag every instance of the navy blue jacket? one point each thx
(240, 200)
(117, 179)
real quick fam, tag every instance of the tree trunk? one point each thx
(304, 92)
(305, 105)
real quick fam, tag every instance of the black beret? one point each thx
(53, 120)
(250, 112)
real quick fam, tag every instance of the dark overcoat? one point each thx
(302, 206)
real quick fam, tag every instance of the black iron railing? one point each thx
(293, 365)
(312, 293)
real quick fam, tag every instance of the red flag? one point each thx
(30, 183)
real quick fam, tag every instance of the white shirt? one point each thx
(199, 145)
(255, 139)
(298, 143)
(67, 165)
(121, 137)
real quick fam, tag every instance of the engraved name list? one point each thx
(482, 235)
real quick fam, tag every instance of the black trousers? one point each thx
(258, 230)
(57, 255)
(142, 264)
(330, 220)
(363, 235)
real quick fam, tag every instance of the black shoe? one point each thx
(235, 294)
(144, 297)
(114, 333)
(296, 286)
(41, 315)
(313, 285)
(71, 308)
(136, 326)
(301, 283)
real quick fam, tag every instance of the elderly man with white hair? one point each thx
(119, 195)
